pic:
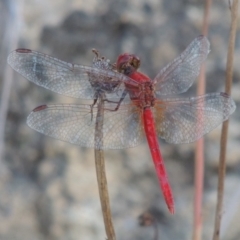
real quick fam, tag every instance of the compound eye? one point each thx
(122, 68)
(135, 62)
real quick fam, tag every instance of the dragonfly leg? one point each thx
(119, 102)
(92, 105)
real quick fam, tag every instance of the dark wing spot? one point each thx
(23, 50)
(40, 108)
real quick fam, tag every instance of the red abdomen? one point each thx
(149, 126)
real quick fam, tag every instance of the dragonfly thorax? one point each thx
(143, 96)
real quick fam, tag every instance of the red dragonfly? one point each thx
(133, 103)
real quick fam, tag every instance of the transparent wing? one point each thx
(186, 120)
(66, 78)
(178, 76)
(75, 124)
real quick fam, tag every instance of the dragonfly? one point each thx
(134, 105)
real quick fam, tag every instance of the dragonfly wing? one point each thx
(186, 120)
(75, 124)
(66, 78)
(178, 76)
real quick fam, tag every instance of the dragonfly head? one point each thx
(127, 63)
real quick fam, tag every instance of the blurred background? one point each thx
(48, 188)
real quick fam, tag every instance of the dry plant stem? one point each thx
(222, 160)
(101, 173)
(199, 156)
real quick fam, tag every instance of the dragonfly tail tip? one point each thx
(171, 209)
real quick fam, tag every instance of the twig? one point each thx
(101, 173)
(228, 84)
(199, 156)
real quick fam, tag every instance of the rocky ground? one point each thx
(48, 188)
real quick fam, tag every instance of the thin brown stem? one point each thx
(223, 148)
(199, 155)
(101, 173)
